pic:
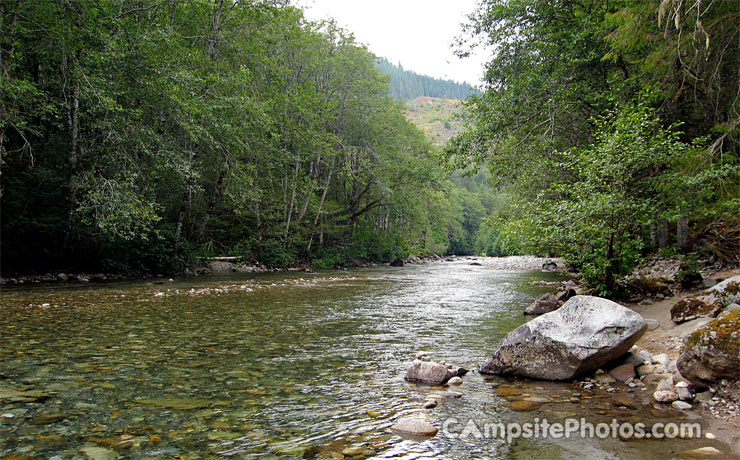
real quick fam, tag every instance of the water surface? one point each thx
(281, 365)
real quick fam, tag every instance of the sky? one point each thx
(415, 33)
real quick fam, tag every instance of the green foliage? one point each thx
(580, 119)
(407, 85)
(201, 124)
(610, 192)
(153, 253)
(688, 273)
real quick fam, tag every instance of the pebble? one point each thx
(524, 406)
(455, 381)
(684, 394)
(665, 396)
(604, 378)
(98, 453)
(680, 405)
(430, 404)
(665, 385)
(352, 451)
(702, 452)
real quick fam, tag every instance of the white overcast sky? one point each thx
(416, 33)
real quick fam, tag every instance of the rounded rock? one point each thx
(414, 426)
(665, 396)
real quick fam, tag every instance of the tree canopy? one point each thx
(138, 134)
(611, 123)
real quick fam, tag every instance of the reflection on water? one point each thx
(289, 365)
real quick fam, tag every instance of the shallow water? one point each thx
(288, 365)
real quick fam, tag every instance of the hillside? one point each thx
(438, 118)
(407, 85)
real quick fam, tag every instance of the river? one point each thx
(274, 365)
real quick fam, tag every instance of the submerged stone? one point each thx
(182, 404)
(98, 453)
(414, 426)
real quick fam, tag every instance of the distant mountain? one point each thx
(437, 117)
(407, 85)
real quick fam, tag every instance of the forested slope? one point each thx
(407, 85)
(136, 135)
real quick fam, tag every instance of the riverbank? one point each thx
(652, 362)
(225, 265)
(720, 403)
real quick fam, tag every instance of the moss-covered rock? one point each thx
(709, 303)
(712, 352)
(695, 307)
(635, 289)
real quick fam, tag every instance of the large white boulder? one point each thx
(578, 338)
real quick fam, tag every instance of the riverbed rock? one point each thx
(578, 338)
(549, 302)
(709, 303)
(429, 404)
(455, 381)
(623, 372)
(180, 404)
(47, 419)
(98, 453)
(665, 396)
(680, 405)
(604, 379)
(523, 406)
(431, 373)
(712, 352)
(398, 263)
(684, 394)
(702, 452)
(14, 395)
(549, 266)
(414, 426)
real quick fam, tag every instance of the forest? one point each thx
(138, 137)
(407, 85)
(142, 136)
(614, 127)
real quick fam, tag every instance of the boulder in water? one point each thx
(578, 338)
(431, 373)
(549, 302)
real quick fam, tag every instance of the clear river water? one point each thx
(277, 365)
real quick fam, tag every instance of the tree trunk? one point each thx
(609, 266)
(682, 234)
(292, 200)
(211, 206)
(183, 211)
(73, 128)
(321, 205)
(664, 234)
